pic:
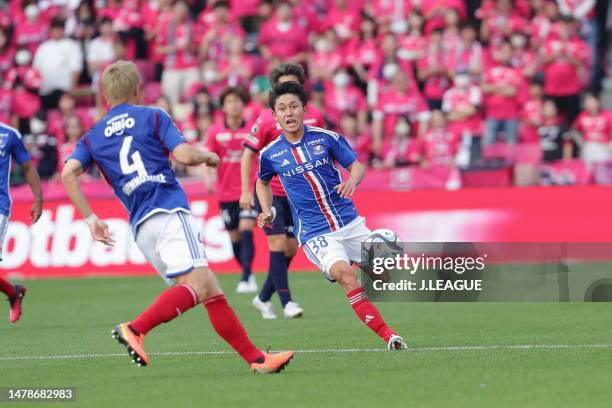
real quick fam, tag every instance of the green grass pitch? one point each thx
(74, 318)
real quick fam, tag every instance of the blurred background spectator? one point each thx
(593, 132)
(59, 61)
(177, 45)
(554, 142)
(439, 144)
(401, 149)
(501, 85)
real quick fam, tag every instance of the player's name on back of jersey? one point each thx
(138, 181)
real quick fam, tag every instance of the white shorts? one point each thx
(592, 152)
(342, 245)
(4, 223)
(172, 244)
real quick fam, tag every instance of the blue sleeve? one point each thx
(266, 171)
(81, 153)
(18, 150)
(342, 152)
(167, 131)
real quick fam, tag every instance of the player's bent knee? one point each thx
(344, 274)
(292, 247)
(246, 225)
(350, 282)
(203, 281)
(277, 243)
(234, 235)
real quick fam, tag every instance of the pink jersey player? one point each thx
(227, 143)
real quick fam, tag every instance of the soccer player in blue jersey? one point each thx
(130, 146)
(326, 222)
(11, 146)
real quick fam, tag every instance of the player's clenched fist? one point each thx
(266, 218)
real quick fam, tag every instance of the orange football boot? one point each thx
(15, 303)
(133, 342)
(273, 363)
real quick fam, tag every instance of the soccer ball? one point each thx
(383, 235)
(381, 243)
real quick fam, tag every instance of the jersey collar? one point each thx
(118, 106)
(226, 125)
(299, 143)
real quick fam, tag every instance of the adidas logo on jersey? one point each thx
(368, 318)
(284, 163)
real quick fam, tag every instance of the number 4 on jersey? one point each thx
(137, 165)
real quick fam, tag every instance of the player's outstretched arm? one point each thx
(191, 156)
(348, 187)
(33, 180)
(246, 164)
(70, 177)
(264, 194)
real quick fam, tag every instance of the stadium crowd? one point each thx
(407, 82)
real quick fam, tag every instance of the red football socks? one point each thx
(368, 313)
(170, 304)
(7, 288)
(178, 299)
(227, 325)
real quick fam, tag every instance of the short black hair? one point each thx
(504, 41)
(537, 81)
(234, 90)
(221, 4)
(105, 20)
(57, 22)
(287, 69)
(284, 89)
(467, 26)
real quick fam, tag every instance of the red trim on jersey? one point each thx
(156, 121)
(296, 155)
(316, 191)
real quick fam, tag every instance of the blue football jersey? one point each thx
(10, 146)
(308, 174)
(130, 146)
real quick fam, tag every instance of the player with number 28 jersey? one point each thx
(308, 175)
(328, 227)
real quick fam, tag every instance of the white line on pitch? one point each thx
(350, 350)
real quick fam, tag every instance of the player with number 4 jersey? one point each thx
(327, 224)
(131, 147)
